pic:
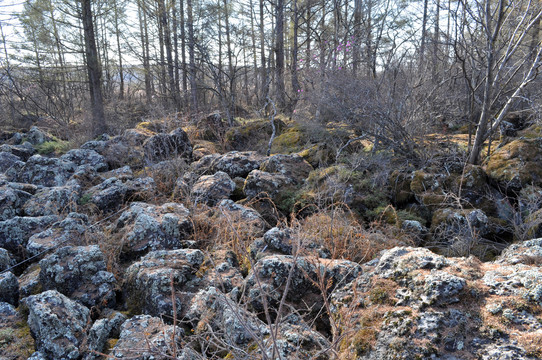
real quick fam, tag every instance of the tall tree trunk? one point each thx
(191, 55)
(176, 65)
(279, 53)
(264, 78)
(117, 33)
(295, 80)
(254, 53)
(145, 49)
(436, 40)
(424, 32)
(93, 69)
(183, 51)
(231, 75)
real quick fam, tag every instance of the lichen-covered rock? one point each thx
(58, 324)
(24, 151)
(9, 163)
(399, 261)
(279, 240)
(224, 271)
(80, 273)
(52, 201)
(150, 281)
(526, 252)
(519, 280)
(440, 287)
(144, 337)
(113, 192)
(36, 137)
(126, 149)
(68, 231)
(144, 227)
(260, 183)
(9, 289)
(226, 318)
(103, 329)
(29, 281)
(5, 259)
(86, 157)
(517, 163)
(292, 166)
(12, 201)
(40, 170)
(163, 146)
(15, 232)
(234, 163)
(270, 276)
(210, 189)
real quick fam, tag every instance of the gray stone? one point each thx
(69, 231)
(292, 166)
(399, 261)
(144, 337)
(57, 324)
(101, 331)
(148, 283)
(5, 259)
(144, 227)
(113, 192)
(12, 201)
(24, 151)
(52, 201)
(210, 189)
(15, 232)
(442, 288)
(164, 146)
(40, 170)
(9, 161)
(79, 273)
(260, 183)
(9, 289)
(37, 137)
(279, 240)
(234, 163)
(86, 157)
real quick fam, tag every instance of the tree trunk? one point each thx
(191, 55)
(279, 53)
(117, 33)
(94, 70)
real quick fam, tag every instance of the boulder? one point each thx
(292, 166)
(24, 151)
(52, 201)
(102, 330)
(80, 273)
(164, 146)
(144, 337)
(211, 310)
(149, 283)
(144, 227)
(12, 201)
(210, 189)
(86, 157)
(260, 183)
(517, 163)
(59, 325)
(5, 260)
(9, 163)
(234, 163)
(248, 222)
(40, 170)
(37, 137)
(9, 289)
(113, 192)
(15, 232)
(68, 231)
(526, 252)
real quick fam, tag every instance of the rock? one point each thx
(415, 229)
(29, 281)
(8, 162)
(291, 166)
(37, 356)
(163, 146)
(148, 282)
(101, 331)
(223, 272)
(279, 240)
(248, 221)
(526, 252)
(229, 321)
(15, 232)
(144, 337)
(69, 231)
(516, 164)
(516, 280)
(86, 157)
(52, 201)
(5, 260)
(126, 149)
(24, 151)
(12, 201)
(260, 183)
(442, 288)
(58, 324)
(113, 192)
(210, 189)
(96, 145)
(399, 261)
(144, 227)
(40, 170)
(79, 272)
(252, 135)
(270, 275)
(234, 163)
(37, 137)
(15, 339)
(9, 288)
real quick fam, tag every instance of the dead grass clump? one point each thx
(340, 232)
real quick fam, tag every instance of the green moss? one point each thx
(290, 141)
(16, 341)
(56, 147)
(85, 199)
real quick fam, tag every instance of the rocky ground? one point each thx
(152, 245)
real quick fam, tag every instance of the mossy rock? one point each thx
(151, 127)
(517, 163)
(253, 135)
(290, 141)
(318, 155)
(400, 188)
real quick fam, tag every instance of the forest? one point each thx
(389, 70)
